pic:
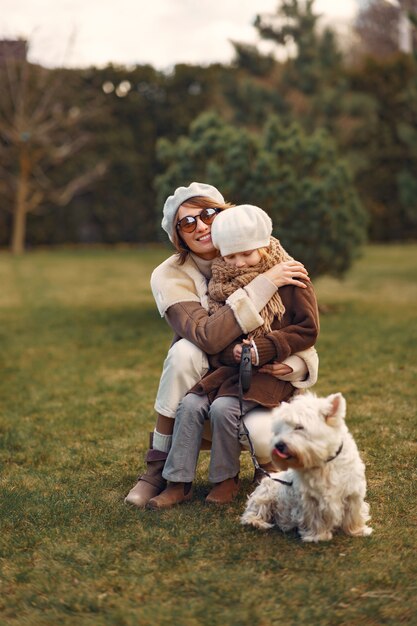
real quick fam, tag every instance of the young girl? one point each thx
(243, 236)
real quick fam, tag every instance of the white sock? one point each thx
(161, 442)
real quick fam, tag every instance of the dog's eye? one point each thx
(298, 427)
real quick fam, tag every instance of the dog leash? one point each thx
(339, 450)
(245, 376)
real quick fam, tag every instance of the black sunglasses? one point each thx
(188, 224)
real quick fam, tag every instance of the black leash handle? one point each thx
(245, 371)
(245, 377)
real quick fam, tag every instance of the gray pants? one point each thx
(224, 415)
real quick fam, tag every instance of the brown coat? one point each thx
(298, 330)
(210, 333)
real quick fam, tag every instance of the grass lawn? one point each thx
(81, 349)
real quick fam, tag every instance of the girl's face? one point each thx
(249, 258)
(199, 241)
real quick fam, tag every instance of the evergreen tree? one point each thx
(298, 179)
(309, 86)
(251, 60)
(383, 142)
(312, 56)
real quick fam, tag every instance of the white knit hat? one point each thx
(241, 228)
(181, 195)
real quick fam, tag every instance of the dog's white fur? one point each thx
(328, 489)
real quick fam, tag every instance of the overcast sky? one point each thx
(79, 33)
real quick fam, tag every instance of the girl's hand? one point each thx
(237, 351)
(275, 369)
(288, 273)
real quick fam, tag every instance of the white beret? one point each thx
(181, 195)
(240, 228)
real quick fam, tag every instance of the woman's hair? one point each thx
(198, 202)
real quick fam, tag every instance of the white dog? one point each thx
(324, 486)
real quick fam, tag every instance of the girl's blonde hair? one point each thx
(199, 202)
(265, 252)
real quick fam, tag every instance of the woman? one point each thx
(290, 323)
(179, 286)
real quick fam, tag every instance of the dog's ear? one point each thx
(335, 409)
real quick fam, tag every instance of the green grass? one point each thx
(81, 349)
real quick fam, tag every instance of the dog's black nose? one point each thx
(281, 447)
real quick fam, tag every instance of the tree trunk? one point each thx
(20, 209)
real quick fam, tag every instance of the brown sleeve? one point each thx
(225, 357)
(299, 333)
(210, 333)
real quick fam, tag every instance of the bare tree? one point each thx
(384, 27)
(38, 133)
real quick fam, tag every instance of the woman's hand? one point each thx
(275, 369)
(288, 273)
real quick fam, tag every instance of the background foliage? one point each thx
(366, 104)
(297, 178)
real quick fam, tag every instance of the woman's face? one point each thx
(199, 241)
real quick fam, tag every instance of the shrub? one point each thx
(298, 179)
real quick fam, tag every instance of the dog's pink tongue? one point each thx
(281, 454)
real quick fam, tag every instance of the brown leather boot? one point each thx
(224, 492)
(151, 483)
(259, 475)
(175, 493)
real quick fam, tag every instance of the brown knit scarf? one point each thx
(226, 279)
